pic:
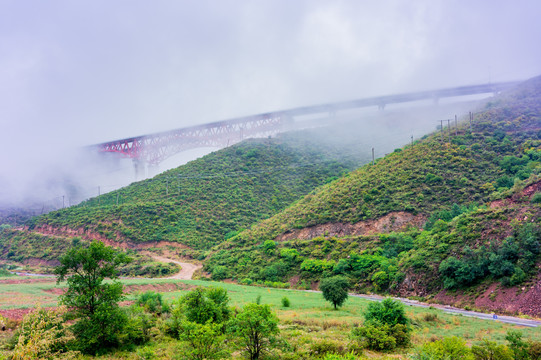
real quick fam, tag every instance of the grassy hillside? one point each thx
(209, 199)
(449, 212)
(455, 166)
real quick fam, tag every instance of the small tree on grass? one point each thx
(335, 290)
(93, 302)
(255, 328)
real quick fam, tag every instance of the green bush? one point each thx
(490, 350)
(285, 302)
(42, 335)
(374, 337)
(219, 273)
(153, 302)
(136, 330)
(388, 311)
(536, 199)
(446, 349)
(325, 346)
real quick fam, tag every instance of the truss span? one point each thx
(155, 148)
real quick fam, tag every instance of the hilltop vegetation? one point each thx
(207, 200)
(420, 219)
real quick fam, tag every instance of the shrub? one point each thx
(446, 349)
(137, 327)
(153, 302)
(518, 346)
(389, 311)
(219, 273)
(536, 199)
(374, 337)
(42, 335)
(490, 350)
(350, 356)
(320, 348)
(335, 290)
(285, 302)
(202, 341)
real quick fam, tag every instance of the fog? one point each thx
(75, 73)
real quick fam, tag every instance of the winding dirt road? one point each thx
(187, 269)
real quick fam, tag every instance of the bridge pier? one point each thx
(139, 167)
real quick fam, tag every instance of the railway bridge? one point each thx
(154, 148)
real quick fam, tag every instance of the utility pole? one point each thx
(63, 204)
(166, 187)
(441, 132)
(456, 126)
(449, 128)
(412, 140)
(99, 194)
(471, 118)
(117, 199)
(373, 159)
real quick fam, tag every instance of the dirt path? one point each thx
(187, 269)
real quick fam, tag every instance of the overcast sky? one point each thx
(81, 72)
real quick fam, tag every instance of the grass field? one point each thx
(308, 324)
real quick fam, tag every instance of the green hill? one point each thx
(397, 225)
(209, 199)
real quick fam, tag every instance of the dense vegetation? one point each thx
(209, 199)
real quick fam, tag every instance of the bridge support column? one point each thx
(139, 167)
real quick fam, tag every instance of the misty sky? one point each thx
(74, 73)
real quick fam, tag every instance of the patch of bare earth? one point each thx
(391, 222)
(90, 235)
(524, 299)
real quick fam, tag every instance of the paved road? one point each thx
(452, 310)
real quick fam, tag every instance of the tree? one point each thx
(206, 304)
(93, 302)
(256, 327)
(204, 341)
(335, 290)
(389, 311)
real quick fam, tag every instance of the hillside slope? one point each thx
(455, 210)
(455, 166)
(206, 200)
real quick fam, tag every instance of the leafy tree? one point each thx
(490, 350)
(92, 301)
(335, 290)
(206, 304)
(255, 327)
(204, 341)
(388, 311)
(199, 306)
